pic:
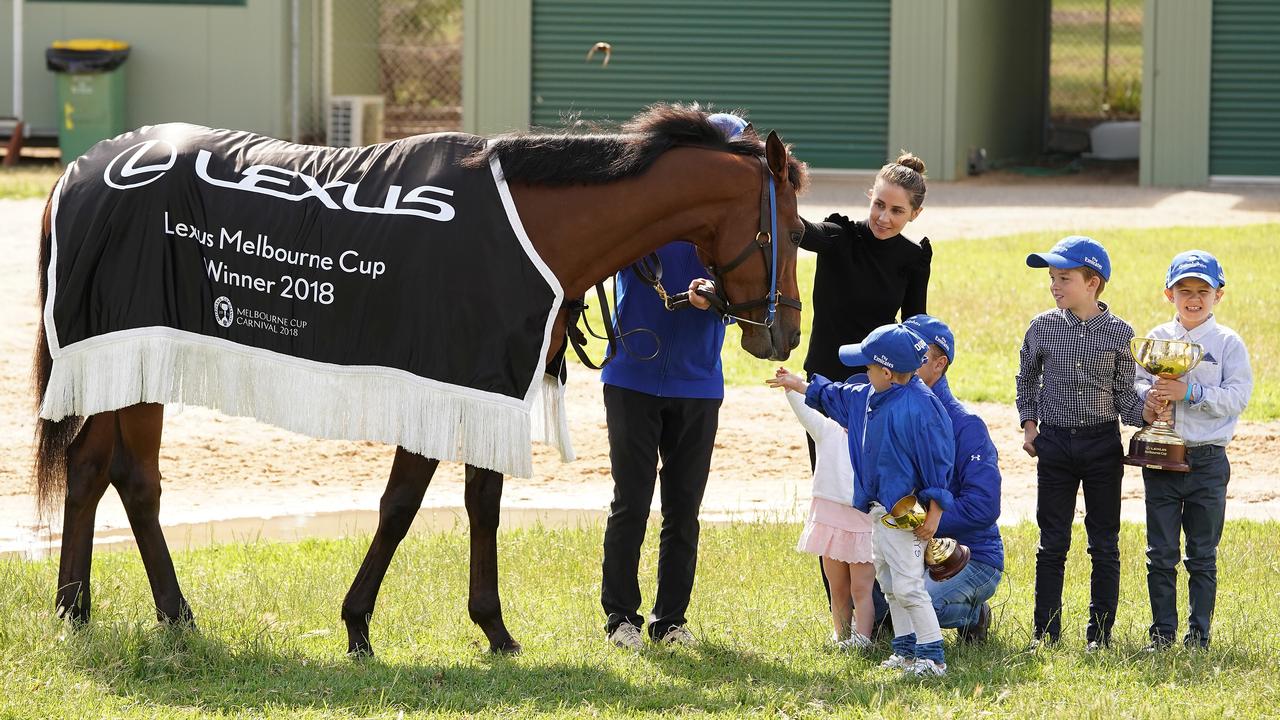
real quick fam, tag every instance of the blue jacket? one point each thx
(900, 440)
(687, 341)
(974, 485)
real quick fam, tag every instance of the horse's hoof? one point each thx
(506, 647)
(360, 651)
(184, 619)
(74, 616)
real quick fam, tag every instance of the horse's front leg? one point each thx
(410, 475)
(484, 499)
(88, 458)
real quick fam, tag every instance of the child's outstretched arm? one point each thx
(795, 387)
(832, 399)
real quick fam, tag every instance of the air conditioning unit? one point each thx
(354, 120)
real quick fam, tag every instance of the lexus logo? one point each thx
(140, 164)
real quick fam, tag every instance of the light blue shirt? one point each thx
(1223, 382)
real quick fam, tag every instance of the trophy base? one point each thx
(1155, 451)
(952, 564)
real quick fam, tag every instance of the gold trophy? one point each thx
(1157, 446)
(943, 556)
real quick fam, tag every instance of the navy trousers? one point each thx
(1191, 503)
(1068, 458)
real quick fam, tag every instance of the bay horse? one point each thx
(591, 205)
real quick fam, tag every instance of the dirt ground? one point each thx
(221, 468)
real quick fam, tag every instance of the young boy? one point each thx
(1208, 403)
(900, 443)
(1075, 377)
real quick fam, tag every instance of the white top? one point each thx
(833, 471)
(1224, 374)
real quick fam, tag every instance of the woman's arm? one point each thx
(915, 299)
(821, 237)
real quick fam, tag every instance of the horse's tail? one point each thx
(52, 437)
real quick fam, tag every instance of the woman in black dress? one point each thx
(868, 275)
(867, 271)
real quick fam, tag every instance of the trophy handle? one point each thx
(1197, 354)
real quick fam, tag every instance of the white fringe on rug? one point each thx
(433, 419)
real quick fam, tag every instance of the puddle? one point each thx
(31, 545)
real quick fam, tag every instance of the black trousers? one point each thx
(1068, 458)
(644, 428)
(1194, 503)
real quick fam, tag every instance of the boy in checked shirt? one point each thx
(1075, 378)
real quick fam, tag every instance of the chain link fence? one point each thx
(411, 50)
(1095, 70)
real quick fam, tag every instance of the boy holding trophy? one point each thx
(1206, 404)
(1075, 378)
(901, 445)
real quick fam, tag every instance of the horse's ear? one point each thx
(776, 153)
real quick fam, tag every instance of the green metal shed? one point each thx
(817, 70)
(1244, 95)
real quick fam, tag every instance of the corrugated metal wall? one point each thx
(815, 70)
(1244, 116)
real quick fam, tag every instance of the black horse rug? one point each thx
(380, 293)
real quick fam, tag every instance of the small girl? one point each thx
(836, 531)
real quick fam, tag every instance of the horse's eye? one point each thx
(796, 236)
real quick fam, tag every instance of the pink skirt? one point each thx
(837, 531)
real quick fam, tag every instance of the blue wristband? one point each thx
(1188, 397)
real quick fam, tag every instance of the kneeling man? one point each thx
(961, 601)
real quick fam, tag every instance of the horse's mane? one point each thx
(569, 157)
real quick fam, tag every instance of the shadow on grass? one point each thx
(159, 668)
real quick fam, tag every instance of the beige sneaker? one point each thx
(855, 643)
(627, 636)
(679, 635)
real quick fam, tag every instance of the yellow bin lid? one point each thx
(89, 44)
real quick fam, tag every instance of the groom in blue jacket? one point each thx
(961, 602)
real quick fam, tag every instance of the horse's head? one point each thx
(753, 256)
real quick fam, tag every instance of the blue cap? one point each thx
(896, 347)
(1196, 264)
(1073, 252)
(731, 125)
(935, 331)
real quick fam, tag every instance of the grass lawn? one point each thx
(270, 643)
(28, 181)
(984, 290)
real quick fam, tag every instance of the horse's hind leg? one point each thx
(484, 499)
(88, 458)
(135, 473)
(410, 475)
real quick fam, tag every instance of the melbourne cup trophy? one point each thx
(943, 556)
(1157, 446)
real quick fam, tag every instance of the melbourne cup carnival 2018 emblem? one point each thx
(1157, 446)
(223, 311)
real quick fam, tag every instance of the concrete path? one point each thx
(1004, 203)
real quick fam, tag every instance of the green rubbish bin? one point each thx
(90, 92)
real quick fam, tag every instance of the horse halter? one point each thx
(649, 268)
(765, 242)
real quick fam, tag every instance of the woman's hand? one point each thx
(784, 378)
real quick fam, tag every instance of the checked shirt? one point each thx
(1077, 374)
